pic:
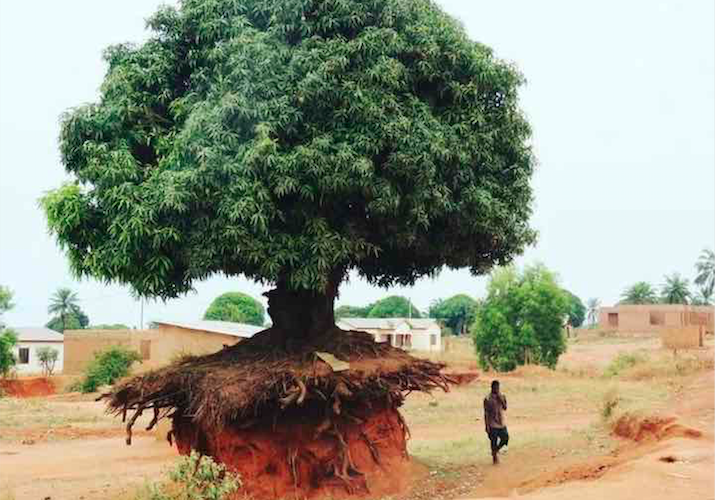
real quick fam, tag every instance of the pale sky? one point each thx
(621, 96)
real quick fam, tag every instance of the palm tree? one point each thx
(593, 305)
(62, 303)
(705, 267)
(676, 290)
(639, 293)
(703, 298)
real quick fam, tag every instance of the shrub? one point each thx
(610, 401)
(198, 477)
(623, 362)
(108, 366)
(48, 358)
(8, 340)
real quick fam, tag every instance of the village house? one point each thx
(406, 333)
(30, 339)
(649, 318)
(157, 346)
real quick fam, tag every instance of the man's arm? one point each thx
(486, 416)
(503, 401)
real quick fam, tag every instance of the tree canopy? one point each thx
(705, 277)
(521, 319)
(74, 320)
(5, 300)
(675, 290)
(639, 293)
(291, 141)
(237, 307)
(348, 311)
(8, 338)
(394, 306)
(577, 310)
(456, 313)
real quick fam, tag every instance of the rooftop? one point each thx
(37, 334)
(388, 323)
(242, 330)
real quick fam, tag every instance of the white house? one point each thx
(30, 339)
(407, 333)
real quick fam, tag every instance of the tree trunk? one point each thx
(303, 313)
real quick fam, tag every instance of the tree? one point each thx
(394, 306)
(347, 311)
(593, 305)
(62, 304)
(74, 320)
(109, 326)
(640, 293)
(456, 313)
(521, 319)
(374, 136)
(705, 268)
(8, 338)
(675, 290)
(48, 358)
(237, 307)
(577, 311)
(704, 297)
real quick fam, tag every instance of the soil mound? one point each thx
(27, 387)
(641, 429)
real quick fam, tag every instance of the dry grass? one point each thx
(458, 354)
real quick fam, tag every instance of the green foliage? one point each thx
(64, 305)
(521, 319)
(74, 320)
(108, 366)
(704, 297)
(109, 326)
(198, 477)
(374, 135)
(705, 269)
(48, 358)
(675, 290)
(623, 362)
(593, 305)
(5, 299)
(394, 306)
(640, 293)
(456, 313)
(347, 311)
(8, 341)
(577, 311)
(237, 307)
(611, 399)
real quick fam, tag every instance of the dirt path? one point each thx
(81, 469)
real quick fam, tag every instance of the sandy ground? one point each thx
(87, 459)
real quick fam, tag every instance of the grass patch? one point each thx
(19, 414)
(623, 362)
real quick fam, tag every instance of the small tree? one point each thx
(237, 307)
(8, 341)
(639, 293)
(577, 311)
(456, 313)
(108, 366)
(394, 306)
(48, 359)
(593, 305)
(521, 319)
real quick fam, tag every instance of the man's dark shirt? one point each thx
(494, 406)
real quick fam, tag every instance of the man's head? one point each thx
(495, 387)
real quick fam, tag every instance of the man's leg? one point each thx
(493, 439)
(503, 438)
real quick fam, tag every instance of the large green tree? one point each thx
(705, 269)
(74, 320)
(394, 306)
(521, 319)
(237, 307)
(639, 293)
(291, 141)
(675, 290)
(63, 303)
(456, 313)
(348, 311)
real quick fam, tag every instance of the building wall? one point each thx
(427, 340)
(34, 366)
(655, 318)
(158, 347)
(404, 337)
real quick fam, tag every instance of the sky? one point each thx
(621, 97)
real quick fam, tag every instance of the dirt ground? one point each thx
(64, 447)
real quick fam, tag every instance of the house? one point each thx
(158, 346)
(650, 318)
(30, 339)
(406, 333)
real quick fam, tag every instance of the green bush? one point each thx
(8, 340)
(108, 366)
(197, 477)
(622, 362)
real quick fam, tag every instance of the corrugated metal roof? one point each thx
(242, 330)
(37, 334)
(388, 323)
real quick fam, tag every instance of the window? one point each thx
(657, 318)
(24, 355)
(433, 340)
(612, 319)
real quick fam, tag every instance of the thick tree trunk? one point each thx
(303, 313)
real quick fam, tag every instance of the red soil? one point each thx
(651, 428)
(27, 387)
(297, 456)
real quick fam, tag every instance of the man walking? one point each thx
(495, 420)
